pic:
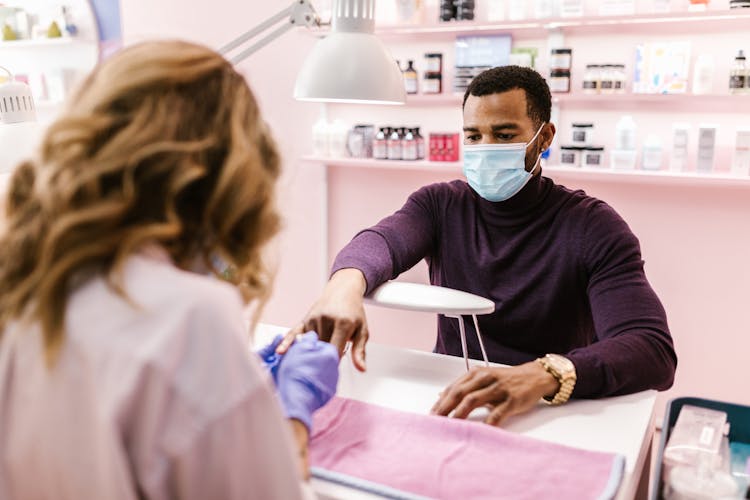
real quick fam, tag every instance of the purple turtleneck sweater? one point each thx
(563, 269)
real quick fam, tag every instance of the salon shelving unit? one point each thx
(682, 107)
(647, 177)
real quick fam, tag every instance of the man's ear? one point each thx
(548, 134)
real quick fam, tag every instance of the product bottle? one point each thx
(741, 160)
(337, 139)
(409, 146)
(591, 79)
(420, 144)
(321, 142)
(703, 74)
(447, 10)
(678, 162)
(464, 10)
(495, 10)
(706, 148)
(619, 78)
(543, 9)
(626, 133)
(651, 153)
(624, 154)
(738, 74)
(380, 145)
(410, 78)
(394, 145)
(607, 83)
(407, 10)
(516, 10)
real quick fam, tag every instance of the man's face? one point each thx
(502, 119)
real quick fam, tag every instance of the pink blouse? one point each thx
(157, 399)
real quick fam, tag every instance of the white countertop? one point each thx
(408, 380)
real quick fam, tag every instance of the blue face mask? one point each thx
(498, 171)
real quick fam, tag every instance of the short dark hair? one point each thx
(505, 78)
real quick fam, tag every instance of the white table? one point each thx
(408, 380)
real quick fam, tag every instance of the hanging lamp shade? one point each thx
(351, 64)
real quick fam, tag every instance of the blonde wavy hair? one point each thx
(163, 143)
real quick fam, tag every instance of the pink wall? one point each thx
(695, 240)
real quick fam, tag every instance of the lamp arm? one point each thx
(299, 13)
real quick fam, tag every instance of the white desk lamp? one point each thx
(436, 299)
(349, 65)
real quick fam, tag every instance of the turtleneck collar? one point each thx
(521, 207)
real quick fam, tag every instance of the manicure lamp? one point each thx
(349, 65)
(19, 129)
(436, 299)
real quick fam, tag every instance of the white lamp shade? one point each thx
(429, 298)
(350, 67)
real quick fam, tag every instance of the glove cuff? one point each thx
(298, 412)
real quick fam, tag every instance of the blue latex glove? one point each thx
(306, 376)
(269, 357)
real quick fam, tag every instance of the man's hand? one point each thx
(509, 391)
(338, 316)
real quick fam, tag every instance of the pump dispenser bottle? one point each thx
(738, 74)
(410, 78)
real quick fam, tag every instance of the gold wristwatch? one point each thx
(564, 371)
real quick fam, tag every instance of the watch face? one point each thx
(560, 364)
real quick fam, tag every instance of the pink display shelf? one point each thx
(662, 177)
(427, 166)
(662, 23)
(579, 100)
(688, 103)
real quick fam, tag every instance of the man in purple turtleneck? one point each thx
(574, 312)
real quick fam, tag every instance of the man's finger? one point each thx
(323, 326)
(453, 396)
(343, 330)
(475, 399)
(359, 340)
(501, 412)
(289, 338)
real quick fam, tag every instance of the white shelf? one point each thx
(662, 177)
(41, 42)
(662, 23)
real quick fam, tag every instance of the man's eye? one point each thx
(473, 137)
(504, 137)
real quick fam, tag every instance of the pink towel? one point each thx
(440, 457)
